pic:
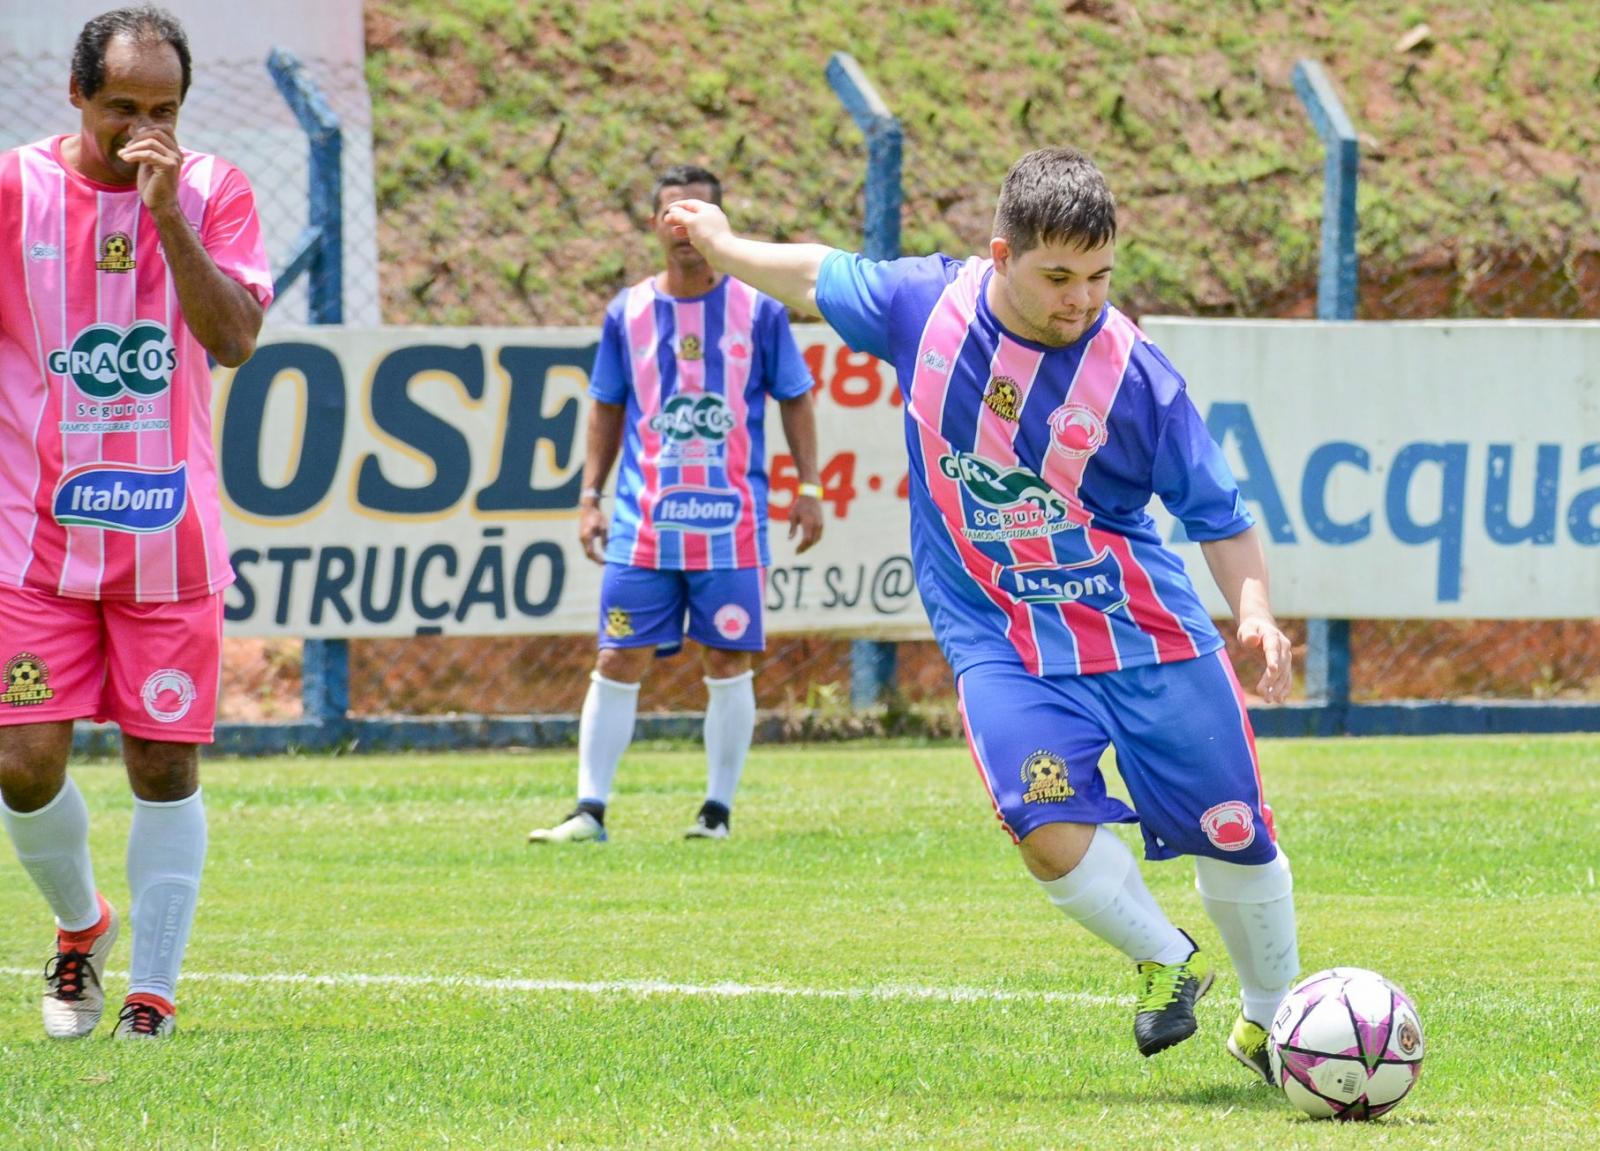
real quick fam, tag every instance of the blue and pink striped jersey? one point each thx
(694, 375)
(1031, 469)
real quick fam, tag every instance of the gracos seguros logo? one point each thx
(105, 360)
(1000, 487)
(694, 417)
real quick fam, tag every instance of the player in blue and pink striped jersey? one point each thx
(1039, 424)
(687, 360)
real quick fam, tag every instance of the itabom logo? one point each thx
(691, 509)
(105, 360)
(122, 497)
(1096, 582)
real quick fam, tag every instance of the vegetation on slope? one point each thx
(516, 142)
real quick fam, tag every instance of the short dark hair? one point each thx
(1055, 196)
(681, 176)
(143, 24)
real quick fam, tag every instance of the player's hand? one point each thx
(160, 161)
(805, 520)
(1263, 634)
(700, 223)
(592, 532)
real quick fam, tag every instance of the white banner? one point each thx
(392, 481)
(1438, 469)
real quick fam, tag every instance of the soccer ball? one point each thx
(1346, 1044)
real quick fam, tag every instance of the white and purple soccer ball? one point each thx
(1346, 1044)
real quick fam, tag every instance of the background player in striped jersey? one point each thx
(1039, 423)
(687, 360)
(124, 261)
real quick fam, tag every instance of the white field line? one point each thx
(640, 987)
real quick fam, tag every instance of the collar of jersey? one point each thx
(660, 295)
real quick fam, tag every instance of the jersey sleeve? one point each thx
(231, 236)
(854, 295)
(784, 369)
(608, 381)
(1192, 476)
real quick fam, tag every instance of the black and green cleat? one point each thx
(1167, 995)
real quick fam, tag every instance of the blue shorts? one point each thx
(648, 607)
(1185, 750)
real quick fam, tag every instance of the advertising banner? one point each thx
(394, 481)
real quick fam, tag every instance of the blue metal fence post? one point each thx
(325, 663)
(872, 662)
(1328, 640)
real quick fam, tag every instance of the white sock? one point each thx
(1106, 894)
(605, 729)
(166, 852)
(730, 726)
(1253, 908)
(53, 847)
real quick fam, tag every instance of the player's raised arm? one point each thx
(786, 272)
(221, 312)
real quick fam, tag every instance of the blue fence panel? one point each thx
(1328, 640)
(872, 662)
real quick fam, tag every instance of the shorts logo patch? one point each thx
(1229, 826)
(619, 624)
(731, 621)
(27, 681)
(1045, 773)
(168, 695)
(1003, 398)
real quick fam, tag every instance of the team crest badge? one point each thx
(168, 694)
(26, 682)
(1003, 398)
(731, 621)
(116, 253)
(1045, 773)
(689, 349)
(619, 624)
(1229, 826)
(1076, 431)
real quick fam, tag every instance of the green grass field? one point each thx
(381, 962)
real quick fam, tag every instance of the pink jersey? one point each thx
(108, 476)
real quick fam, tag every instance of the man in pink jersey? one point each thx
(124, 261)
(687, 360)
(1040, 423)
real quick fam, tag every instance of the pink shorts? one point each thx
(150, 668)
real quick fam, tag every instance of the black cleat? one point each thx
(710, 823)
(1167, 995)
